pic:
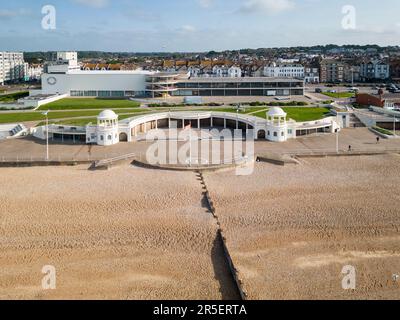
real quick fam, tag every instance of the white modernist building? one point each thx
(64, 76)
(109, 131)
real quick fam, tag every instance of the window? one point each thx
(275, 134)
(282, 134)
(117, 93)
(101, 138)
(109, 137)
(289, 131)
(104, 94)
(269, 133)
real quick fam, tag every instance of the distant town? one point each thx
(320, 64)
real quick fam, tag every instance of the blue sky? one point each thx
(194, 25)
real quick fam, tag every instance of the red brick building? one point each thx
(370, 100)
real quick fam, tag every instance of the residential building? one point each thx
(33, 71)
(284, 70)
(332, 70)
(311, 75)
(375, 70)
(12, 66)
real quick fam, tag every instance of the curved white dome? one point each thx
(276, 112)
(107, 115)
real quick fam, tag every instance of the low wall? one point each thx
(16, 164)
(38, 103)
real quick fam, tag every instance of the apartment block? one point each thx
(12, 66)
(332, 71)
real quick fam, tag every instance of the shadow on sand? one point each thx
(222, 272)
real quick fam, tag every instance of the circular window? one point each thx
(51, 81)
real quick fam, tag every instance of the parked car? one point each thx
(318, 90)
(354, 89)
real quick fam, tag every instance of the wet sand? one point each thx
(128, 233)
(291, 229)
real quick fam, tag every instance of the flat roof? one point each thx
(241, 79)
(107, 72)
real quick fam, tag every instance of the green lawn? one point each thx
(89, 103)
(295, 113)
(81, 122)
(13, 97)
(15, 117)
(339, 95)
(300, 114)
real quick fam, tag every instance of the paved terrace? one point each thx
(361, 139)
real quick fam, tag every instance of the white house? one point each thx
(311, 75)
(374, 70)
(284, 70)
(234, 72)
(225, 72)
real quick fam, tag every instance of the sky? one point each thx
(195, 25)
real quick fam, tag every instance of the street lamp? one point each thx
(337, 133)
(47, 134)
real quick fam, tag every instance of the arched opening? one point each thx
(261, 134)
(123, 137)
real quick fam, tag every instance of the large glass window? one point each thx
(104, 94)
(90, 93)
(205, 93)
(231, 85)
(117, 93)
(205, 85)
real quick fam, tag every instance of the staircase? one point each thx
(355, 122)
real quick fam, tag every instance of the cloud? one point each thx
(93, 3)
(205, 3)
(7, 14)
(187, 29)
(267, 6)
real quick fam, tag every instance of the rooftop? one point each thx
(242, 79)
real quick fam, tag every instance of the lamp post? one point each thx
(337, 134)
(47, 134)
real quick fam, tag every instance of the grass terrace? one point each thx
(339, 95)
(89, 103)
(383, 131)
(13, 97)
(15, 117)
(300, 114)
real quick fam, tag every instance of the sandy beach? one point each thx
(132, 233)
(291, 229)
(127, 233)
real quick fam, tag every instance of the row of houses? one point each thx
(273, 70)
(334, 70)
